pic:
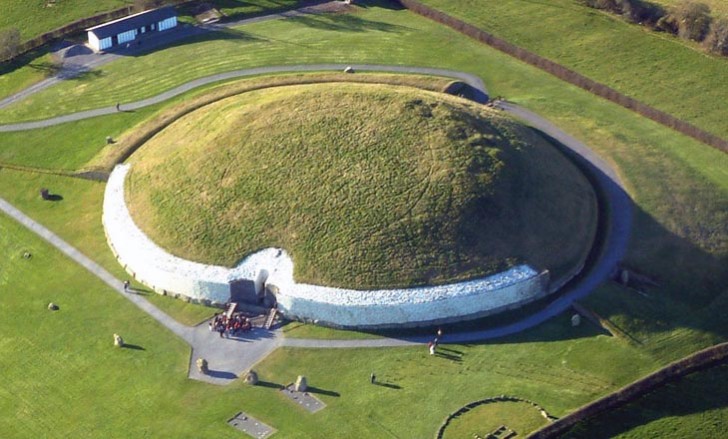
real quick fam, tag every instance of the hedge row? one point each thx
(698, 361)
(567, 75)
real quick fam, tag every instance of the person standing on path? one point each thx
(126, 286)
(118, 106)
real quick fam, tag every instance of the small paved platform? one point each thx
(304, 399)
(251, 426)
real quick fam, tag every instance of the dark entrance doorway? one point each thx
(243, 290)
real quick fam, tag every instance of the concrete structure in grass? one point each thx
(270, 271)
(127, 29)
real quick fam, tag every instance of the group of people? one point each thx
(230, 326)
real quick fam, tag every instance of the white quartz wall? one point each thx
(166, 273)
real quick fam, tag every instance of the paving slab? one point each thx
(304, 399)
(251, 426)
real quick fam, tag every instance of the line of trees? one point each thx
(689, 19)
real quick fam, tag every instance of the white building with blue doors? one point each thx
(125, 30)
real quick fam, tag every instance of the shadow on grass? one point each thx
(345, 23)
(320, 391)
(387, 385)
(704, 392)
(270, 385)
(134, 347)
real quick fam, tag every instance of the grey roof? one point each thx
(132, 22)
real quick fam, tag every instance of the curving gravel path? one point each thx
(472, 80)
(229, 357)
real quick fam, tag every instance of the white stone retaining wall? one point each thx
(168, 274)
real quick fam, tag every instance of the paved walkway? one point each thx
(228, 358)
(472, 80)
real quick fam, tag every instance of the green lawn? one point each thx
(663, 71)
(77, 219)
(718, 8)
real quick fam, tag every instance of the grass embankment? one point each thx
(697, 401)
(366, 185)
(670, 74)
(143, 390)
(520, 417)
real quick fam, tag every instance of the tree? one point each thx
(717, 39)
(693, 20)
(9, 43)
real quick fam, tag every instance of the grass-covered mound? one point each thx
(365, 185)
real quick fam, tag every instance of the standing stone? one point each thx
(575, 320)
(624, 277)
(118, 341)
(301, 384)
(202, 365)
(52, 306)
(251, 378)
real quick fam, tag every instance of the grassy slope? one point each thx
(662, 71)
(441, 188)
(34, 17)
(145, 391)
(698, 401)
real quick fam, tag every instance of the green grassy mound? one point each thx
(365, 185)
(484, 420)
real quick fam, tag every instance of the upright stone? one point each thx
(301, 384)
(202, 365)
(575, 320)
(118, 341)
(251, 378)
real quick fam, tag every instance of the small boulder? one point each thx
(301, 384)
(575, 320)
(52, 306)
(349, 69)
(202, 365)
(118, 341)
(251, 378)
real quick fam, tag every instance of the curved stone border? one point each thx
(466, 408)
(209, 284)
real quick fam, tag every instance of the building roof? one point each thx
(132, 22)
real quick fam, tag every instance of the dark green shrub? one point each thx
(693, 20)
(717, 39)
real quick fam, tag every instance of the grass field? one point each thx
(680, 188)
(143, 390)
(718, 8)
(365, 185)
(670, 74)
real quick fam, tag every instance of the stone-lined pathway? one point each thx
(227, 358)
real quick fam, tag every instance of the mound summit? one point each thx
(364, 185)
